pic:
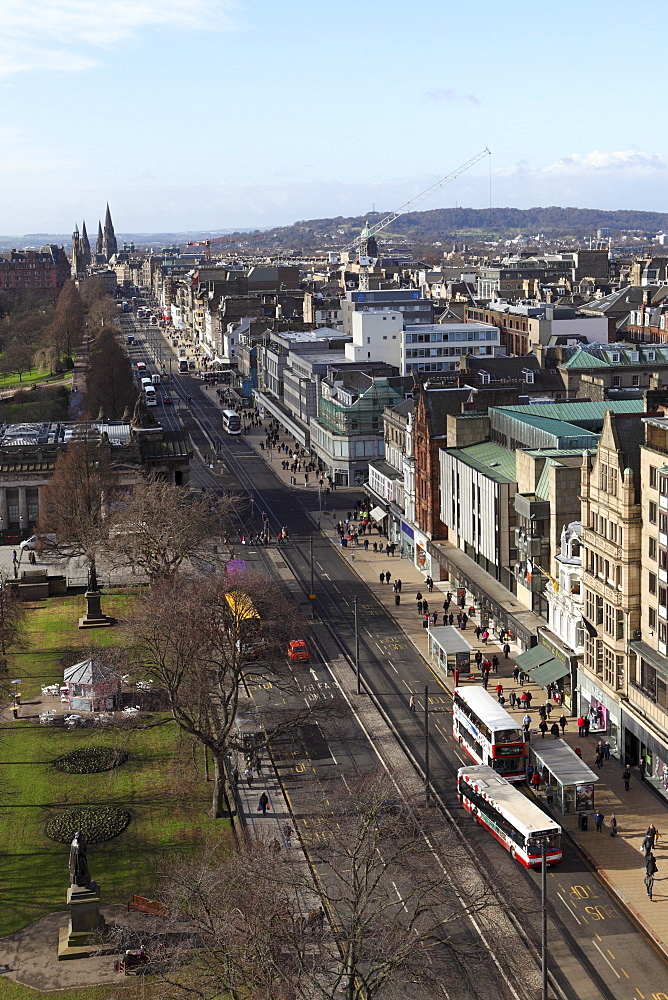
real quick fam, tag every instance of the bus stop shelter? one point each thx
(448, 646)
(566, 775)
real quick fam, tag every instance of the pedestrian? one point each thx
(535, 781)
(264, 804)
(649, 884)
(395, 588)
(642, 768)
(598, 759)
(554, 729)
(650, 838)
(399, 585)
(495, 664)
(258, 766)
(523, 699)
(598, 820)
(418, 596)
(478, 632)
(499, 689)
(485, 636)
(366, 544)
(477, 656)
(506, 651)
(375, 546)
(388, 577)
(613, 825)
(542, 712)
(529, 697)
(485, 680)
(381, 577)
(627, 778)
(578, 752)
(419, 607)
(587, 724)
(526, 723)
(581, 726)
(487, 666)
(542, 725)
(548, 709)
(425, 606)
(248, 775)
(451, 618)
(606, 750)
(516, 674)
(529, 773)
(15, 558)
(235, 776)
(411, 703)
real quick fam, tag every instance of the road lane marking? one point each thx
(568, 908)
(607, 960)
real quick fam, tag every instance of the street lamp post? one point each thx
(543, 936)
(357, 649)
(312, 592)
(426, 743)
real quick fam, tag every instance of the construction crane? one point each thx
(222, 239)
(370, 231)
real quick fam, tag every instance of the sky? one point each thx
(217, 114)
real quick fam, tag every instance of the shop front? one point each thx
(649, 748)
(407, 541)
(601, 710)
(422, 555)
(566, 666)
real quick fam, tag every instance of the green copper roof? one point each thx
(496, 462)
(577, 413)
(583, 359)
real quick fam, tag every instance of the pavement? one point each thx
(618, 861)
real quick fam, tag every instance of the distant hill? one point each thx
(449, 223)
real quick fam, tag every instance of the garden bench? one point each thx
(144, 905)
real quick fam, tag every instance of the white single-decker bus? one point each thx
(516, 822)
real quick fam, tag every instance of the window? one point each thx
(635, 380)
(651, 583)
(609, 667)
(619, 634)
(609, 618)
(652, 513)
(652, 476)
(651, 548)
(616, 381)
(651, 617)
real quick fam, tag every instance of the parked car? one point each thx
(297, 650)
(35, 541)
(167, 399)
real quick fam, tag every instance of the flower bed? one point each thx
(96, 824)
(91, 760)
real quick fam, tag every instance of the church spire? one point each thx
(109, 242)
(85, 246)
(100, 239)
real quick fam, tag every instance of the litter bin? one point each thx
(397, 599)
(583, 821)
(15, 713)
(425, 623)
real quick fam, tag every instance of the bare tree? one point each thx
(382, 919)
(74, 502)
(155, 527)
(206, 643)
(12, 620)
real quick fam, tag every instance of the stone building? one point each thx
(28, 454)
(611, 557)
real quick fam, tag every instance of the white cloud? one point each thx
(450, 94)
(587, 164)
(49, 34)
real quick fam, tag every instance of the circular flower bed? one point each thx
(92, 760)
(96, 824)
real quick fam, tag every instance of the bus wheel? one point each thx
(513, 852)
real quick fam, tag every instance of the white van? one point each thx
(150, 396)
(146, 381)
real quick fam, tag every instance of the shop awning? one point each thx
(548, 672)
(533, 657)
(590, 628)
(378, 513)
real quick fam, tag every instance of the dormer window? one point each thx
(529, 376)
(485, 378)
(651, 355)
(615, 357)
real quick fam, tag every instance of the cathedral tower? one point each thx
(109, 242)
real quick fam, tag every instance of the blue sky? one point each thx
(191, 114)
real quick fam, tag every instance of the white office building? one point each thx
(438, 347)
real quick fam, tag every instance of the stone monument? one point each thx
(94, 617)
(79, 938)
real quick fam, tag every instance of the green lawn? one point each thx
(158, 786)
(32, 377)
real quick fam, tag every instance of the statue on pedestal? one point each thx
(79, 873)
(92, 578)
